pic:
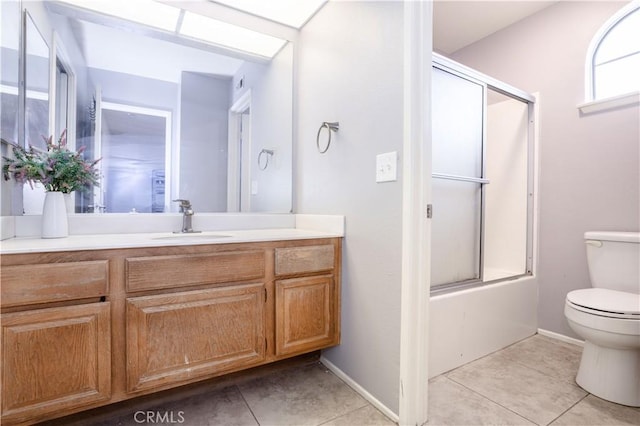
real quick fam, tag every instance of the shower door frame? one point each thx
(488, 83)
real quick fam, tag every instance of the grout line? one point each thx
(491, 400)
(517, 360)
(341, 415)
(247, 404)
(565, 411)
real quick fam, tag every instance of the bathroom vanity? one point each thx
(101, 319)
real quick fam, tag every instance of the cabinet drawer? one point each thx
(51, 282)
(179, 337)
(155, 272)
(298, 260)
(55, 359)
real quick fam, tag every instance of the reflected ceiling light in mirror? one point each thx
(294, 13)
(146, 12)
(223, 34)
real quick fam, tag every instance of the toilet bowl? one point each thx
(607, 317)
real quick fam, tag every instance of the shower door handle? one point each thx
(461, 178)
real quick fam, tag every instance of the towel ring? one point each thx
(331, 127)
(269, 154)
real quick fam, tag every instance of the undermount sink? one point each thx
(193, 236)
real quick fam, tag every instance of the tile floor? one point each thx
(528, 383)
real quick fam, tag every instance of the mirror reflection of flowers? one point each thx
(57, 168)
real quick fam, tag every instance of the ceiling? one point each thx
(459, 23)
(294, 13)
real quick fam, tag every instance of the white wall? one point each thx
(351, 70)
(590, 164)
(204, 105)
(271, 88)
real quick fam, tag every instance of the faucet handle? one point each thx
(184, 204)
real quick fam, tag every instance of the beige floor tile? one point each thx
(453, 404)
(523, 390)
(224, 407)
(598, 412)
(365, 416)
(309, 395)
(549, 356)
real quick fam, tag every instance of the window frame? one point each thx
(591, 103)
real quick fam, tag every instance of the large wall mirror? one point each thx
(24, 92)
(10, 29)
(170, 116)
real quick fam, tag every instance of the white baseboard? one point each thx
(359, 389)
(561, 337)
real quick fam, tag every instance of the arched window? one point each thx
(613, 58)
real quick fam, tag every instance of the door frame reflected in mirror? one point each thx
(170, 146)
(239, 150)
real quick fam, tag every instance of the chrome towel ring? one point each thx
(268, 153)
(331, 127)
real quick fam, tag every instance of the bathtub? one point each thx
(468, 324)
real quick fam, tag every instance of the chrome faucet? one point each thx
(187, 214)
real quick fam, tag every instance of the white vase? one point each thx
(69, 201)
(55, 223)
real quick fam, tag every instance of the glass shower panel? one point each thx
(458, 121)
(455, 233)
(457, 125)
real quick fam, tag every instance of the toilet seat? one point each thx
(606, 303)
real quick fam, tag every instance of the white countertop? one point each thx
(114, 241)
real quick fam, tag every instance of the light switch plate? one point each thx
(387, 167)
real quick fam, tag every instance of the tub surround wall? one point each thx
(590, 170)
(470, 324)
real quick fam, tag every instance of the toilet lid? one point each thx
(605, 300)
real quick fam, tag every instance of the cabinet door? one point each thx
(55, 359)
(178, 337)
(305, 314)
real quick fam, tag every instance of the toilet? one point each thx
(607, 317)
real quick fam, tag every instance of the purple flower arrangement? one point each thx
(57, 168)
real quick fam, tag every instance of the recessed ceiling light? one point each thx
(294, 13)
(221, 33)
(146, 12)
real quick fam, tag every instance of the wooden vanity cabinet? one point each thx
(56, 338)
(307, 298)
(85, 329)
(178, 337)
(181, 336)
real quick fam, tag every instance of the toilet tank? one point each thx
(614, 260)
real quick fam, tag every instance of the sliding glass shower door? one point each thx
(458, 177)
(482, 186)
